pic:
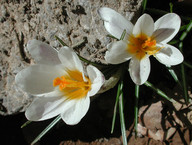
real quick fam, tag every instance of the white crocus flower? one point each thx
(142, 40)
(59, 82)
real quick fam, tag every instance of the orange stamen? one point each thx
(142, 45)
(73, 84)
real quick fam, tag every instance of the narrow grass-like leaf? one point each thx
(122, 121)
(119, 91)
(173, 74)
(26, 123)
(161, 12)
(144, 4)
(187, 64)
(158, 91)
(184, 34)
(171, 7)
(182, 37)
(182, 28)
(173, 42)
(60, 41)
(82, 58)
(136, 108)
(123, 35)
(92, 63)
(184, 83)
(46, 130)
(111, 36)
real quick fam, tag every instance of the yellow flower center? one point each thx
(73, 84)
(141, 45)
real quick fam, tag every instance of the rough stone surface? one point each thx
(76, 22)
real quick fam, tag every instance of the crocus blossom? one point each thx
(141, 40)
(59, 83)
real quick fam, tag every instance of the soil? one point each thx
(95, 127)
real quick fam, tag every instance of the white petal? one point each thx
(139, 70)
(144, 25)
(97, 79)
(169, 55)
(117, 52)
(42, 52)
(76, 112)
(166, 27)
(114, 22)
(70, 59)
(38, 79)
(47, 106)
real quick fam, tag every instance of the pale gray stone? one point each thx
(74, 21)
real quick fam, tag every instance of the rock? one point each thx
(76, 22)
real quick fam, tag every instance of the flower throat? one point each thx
(73, 85)
(142, 45)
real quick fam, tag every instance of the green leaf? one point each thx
(144, 4)
(60, 41)
(136, 108)
(119, 91)
(26, 123)
(158, 91)
(123, 35)
(187, 64)
(46, 129)
(161, 12)
(122, 121)
(184, 34)
(182, 28)
(173, 74)
(82, 58)
(173, 42)
(111, 36)
(184, 83)
(171, 7)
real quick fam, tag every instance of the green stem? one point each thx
(187, 64)
(182, 37)
(123, 35)
(173, 74)
(161, 12)
(136, 108)
(26, 123)
(123, 128)
(60, 41)
(46, 130)
(158, 91)
(144, 5)
(82, 58)
(171, 7)
(183, 76)
(184, 34)
(119, 91)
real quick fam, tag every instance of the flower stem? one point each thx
(158, 91)
(184, 34)
(174, 75)
(26, 123)
(183, 76)
(144, 4)
(187, 64)
(119, 91)
(161, 12)
(136, 108)
(122, 121)
(82, 58)
(182, 37)
(46, 129)
(123, 35)
(171, 7)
